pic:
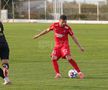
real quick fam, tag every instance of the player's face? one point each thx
(62, 22)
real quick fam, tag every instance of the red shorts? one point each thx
(61, 52)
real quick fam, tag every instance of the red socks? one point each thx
(56, 66)
(74, 64)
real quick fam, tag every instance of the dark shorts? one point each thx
(4, 51)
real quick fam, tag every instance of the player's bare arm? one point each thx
(78, 44)
(42, 33)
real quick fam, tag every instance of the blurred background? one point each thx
(52, 9)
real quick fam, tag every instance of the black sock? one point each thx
(1, 73)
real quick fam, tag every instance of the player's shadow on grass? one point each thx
(90, 87)
(78, 87)
(90, 77)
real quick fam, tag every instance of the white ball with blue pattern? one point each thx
(72, 73)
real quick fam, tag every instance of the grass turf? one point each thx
(30, 64)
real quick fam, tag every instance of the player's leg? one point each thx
(6, 79)
(56, 66)
(66, 53)
(1, 71)
(74, 64)
(55, 57)
(5, 63)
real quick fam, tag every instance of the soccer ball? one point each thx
(72, 73)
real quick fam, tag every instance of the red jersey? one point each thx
(61, 34)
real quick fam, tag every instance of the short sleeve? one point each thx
(51, 27)
(71, 33)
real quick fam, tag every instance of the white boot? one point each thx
(7, 81)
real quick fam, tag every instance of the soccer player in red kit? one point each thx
(61, 49)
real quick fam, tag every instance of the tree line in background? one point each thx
(88, 11)
(71, 9)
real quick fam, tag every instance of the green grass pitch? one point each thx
(30, 64)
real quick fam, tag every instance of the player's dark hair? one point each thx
(63, 17)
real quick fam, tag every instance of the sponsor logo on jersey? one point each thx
(59, 35)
